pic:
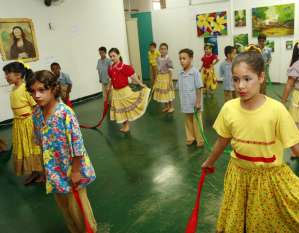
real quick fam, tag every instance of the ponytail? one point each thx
(18, 67)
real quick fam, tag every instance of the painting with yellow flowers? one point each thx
(212, 24)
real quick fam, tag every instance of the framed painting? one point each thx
(240, 18)
(289, 45)
(18, 41)
(212, 24)
(273, 20)
(240, 42)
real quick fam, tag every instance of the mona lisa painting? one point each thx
(17, 40)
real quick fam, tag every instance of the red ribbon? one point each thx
(79, 202)
(193, 219)
(106, 108)
(255, 159)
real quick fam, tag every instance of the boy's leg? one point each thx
(63, 204)
(190, 137)
(197, 133)
(76, 214)
(105, 89)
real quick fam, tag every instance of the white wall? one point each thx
(140, 5)
(176, 25)
(80, 27)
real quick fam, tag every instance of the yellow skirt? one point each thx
(259, 200)
(209, 78)
(163, 89)
(26, 154)
(128, 105)
(294, 106)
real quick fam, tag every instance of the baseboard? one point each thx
(8, 123)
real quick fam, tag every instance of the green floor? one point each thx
(146, 181)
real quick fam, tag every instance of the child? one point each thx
(190, 86)
(126, 105)
(102, 67)
(293, 84)
(207, 68)
(261, 193)
(66, 162)
(27, 157)
(153, 54)
(266, 53)
(64, 82)
(163, 88)
(226, 73)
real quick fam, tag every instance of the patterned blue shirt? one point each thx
(61, 140)
(187, 84)
(225, 71)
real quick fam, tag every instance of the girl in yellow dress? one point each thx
(163, 87)
(261, 193)
(207, 69)
(293, 85)
(27, 157)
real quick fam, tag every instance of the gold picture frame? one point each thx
(18, 40)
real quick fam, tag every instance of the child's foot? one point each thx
(31, 179)
(200, 144)
(189, 143)
(123, 130)
(40, 179)
(165, 109)
(171, 110)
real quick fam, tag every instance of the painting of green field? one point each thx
(240, 42)
(273, 20)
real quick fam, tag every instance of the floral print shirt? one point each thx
(61, 140)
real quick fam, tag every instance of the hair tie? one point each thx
(253, 47)
(24, 64)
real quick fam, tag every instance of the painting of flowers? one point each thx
(240, 18)
(273, 20)
(212, 24)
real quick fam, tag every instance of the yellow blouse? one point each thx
(21, 101)
(262, 133)
(152, 57)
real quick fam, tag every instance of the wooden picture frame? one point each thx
(18, 40)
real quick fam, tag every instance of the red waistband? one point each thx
(255, 159)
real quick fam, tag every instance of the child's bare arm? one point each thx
(288, 88)
(218, 149)
(215, 61)
(76, 175)
(295, 150)
(198, 98)
(137, 80)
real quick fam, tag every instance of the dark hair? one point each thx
(54, 64)
(295, 56)
(19, 68)
(228, 50)
(164, 44)
(103, 49)
(13, 35)
(253, 59)
(153, 44)
(262, 37)
(187, 51)
(208, 45)
(115, 50)
(45, 77)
